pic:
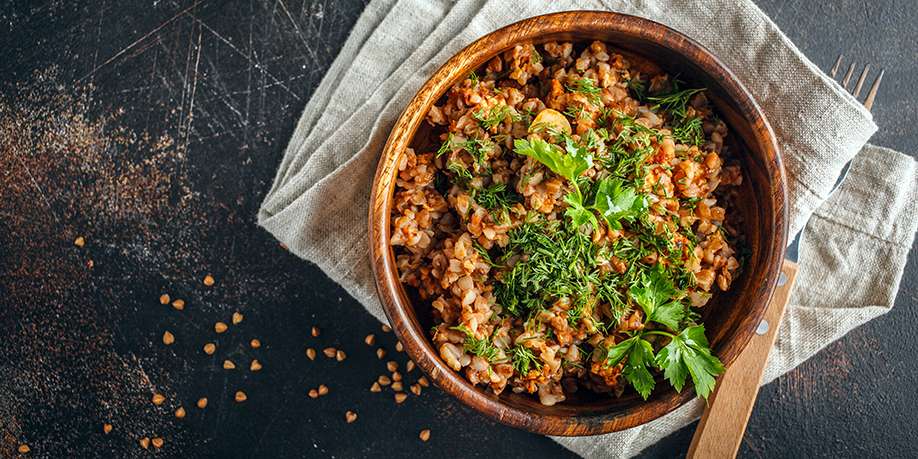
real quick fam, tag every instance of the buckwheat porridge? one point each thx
(567, 229)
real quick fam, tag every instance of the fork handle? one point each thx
(723, 423)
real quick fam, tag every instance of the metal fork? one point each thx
(871, 94)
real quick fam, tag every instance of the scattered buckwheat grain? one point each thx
(220, 327)
(424, 435)
(375, 387)
(168, 338)
(340, 356)
(228, 365)
(180, 412)
(240, 396)
(311, 353)
(202, 403)
(237, 318)
(255, 343)
(330, 352)
(209, 348)
(255, 365)
(106, 428)
(158, 399)
(370, 339)
(350, 416)
(164, 299)
(400, 397)
(208, 280)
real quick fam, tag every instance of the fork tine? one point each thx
(847, 78)
(836, 66)
(872, 94)
(860, 80)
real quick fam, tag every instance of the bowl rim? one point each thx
(392, 294)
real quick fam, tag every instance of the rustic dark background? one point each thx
(226, 81)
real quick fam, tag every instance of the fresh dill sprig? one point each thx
(495, 115)
(689, 132)
(478, 149)
(496, 196)
(461, 173)
(473, 77)
(576, 112)
(638, 88)
(675, 103)
(524, 359)
(446, 146)
(498, 199)
(588, 88)
(482, 347)
(559, 264)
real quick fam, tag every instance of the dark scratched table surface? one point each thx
(153, 129)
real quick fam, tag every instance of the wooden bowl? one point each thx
(730, 319)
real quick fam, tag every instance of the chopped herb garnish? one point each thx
(446, 146)
(576, 112)
(524, 360)
(460, 173)
(675, 103)
(494, 116)
(638, 89)
(689, 131)
(587, 87)
(474, 78)
(616, 201)
(482, 347)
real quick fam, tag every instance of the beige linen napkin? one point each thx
(317, 205)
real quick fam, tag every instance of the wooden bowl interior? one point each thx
(730, 318)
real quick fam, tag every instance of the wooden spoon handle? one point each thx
(723, 423)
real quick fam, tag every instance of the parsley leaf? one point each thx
(689, 354)
(639, 353)
(669, 314)
(579, 214)
(569, 166)
(618, 352)
(615, 201)
(636, 371)
(652, 290)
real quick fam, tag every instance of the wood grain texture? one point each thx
(731, 319)
(723, 423)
